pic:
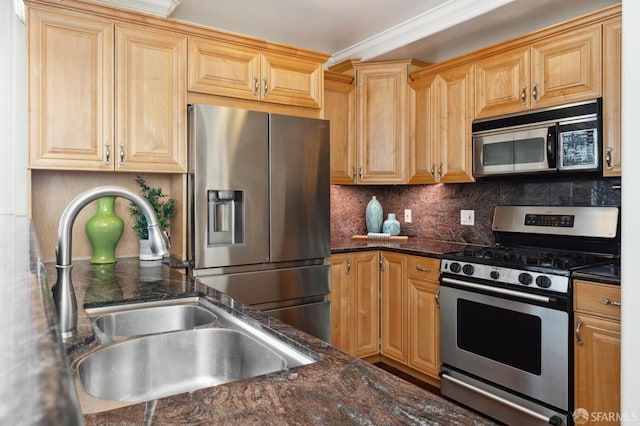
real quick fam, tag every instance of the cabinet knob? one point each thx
(256, 86)
(266, 87)
(523, 95)
(534, 93)
(122, 154)
(608, 158)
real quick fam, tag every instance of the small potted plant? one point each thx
(165, 209)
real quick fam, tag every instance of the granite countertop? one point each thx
(338, 389)
(608, 273)
(413, 245)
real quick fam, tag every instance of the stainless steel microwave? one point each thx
(558, 140)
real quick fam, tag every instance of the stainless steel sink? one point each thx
(167, 364)
(152, 350)
(137, 322)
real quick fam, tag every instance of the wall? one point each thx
(436, 208)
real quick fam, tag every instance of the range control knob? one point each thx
(467, 269)
(455, 267)
(543, 281)
(494, 274)
(525, 278)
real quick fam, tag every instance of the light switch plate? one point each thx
(407, 215)
(467, 217)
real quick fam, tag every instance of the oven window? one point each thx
(503, 335)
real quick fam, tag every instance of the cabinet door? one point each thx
(342, 301)
(224, 69)
(151, 100)
(70, 91)
(567, 68)
(381, 123)
(367, 311)
(424, 326)
(393, 321)
(291, 81)
(502, 83)
(611, 94)
(455, 113)
(339, 109)
(597, 366)
(424, 139)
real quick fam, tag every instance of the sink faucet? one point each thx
(63, 295)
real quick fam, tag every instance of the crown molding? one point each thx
(162, 8)
(445, 16)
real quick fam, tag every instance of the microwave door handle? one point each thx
(552, 143)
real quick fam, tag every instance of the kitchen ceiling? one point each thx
(429, 30)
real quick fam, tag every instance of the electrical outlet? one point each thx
(407, 215)
(467, 217)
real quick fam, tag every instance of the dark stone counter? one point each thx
(606, 274)
(338, 389)
(414, 246)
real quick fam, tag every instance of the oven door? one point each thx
(518, 344)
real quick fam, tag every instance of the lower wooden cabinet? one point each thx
(597, 349)
(355, 303)
(401, 292)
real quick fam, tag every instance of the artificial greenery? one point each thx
(164, 207)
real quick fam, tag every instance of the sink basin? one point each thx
(161, 365)
(152, 350)
(137, 322)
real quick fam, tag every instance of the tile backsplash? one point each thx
(435, 209)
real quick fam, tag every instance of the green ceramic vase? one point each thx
(104, 230)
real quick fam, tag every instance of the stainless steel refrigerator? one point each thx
(259, 215)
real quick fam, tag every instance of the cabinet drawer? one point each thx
(423, 267)
(599, 299)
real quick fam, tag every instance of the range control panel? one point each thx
(555, 220)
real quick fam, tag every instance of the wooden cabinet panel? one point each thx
(354, 303)
(597, 344)
(151, 100)
(393, 312)
(441, 143)
(71, 90)
(597, 364)
(90, 112)
(244, 72)
(567, 68)
(339, 109)
(612, 96)
(424, 326)
(381, 123)
(553, 71)
(502, 83)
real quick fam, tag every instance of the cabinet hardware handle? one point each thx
(266, 87)
(355, 174)
(534, 93)
(360, 172)
(608, 301)
(256, 86)
(381, 263)
(107, 153)
(433, 170)
(579, 341)
(609, 158)
(440, 171)
(348, 265)
(438, 298)
(423, 268)
(523, 95)
(122, 154)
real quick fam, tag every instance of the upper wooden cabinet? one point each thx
(442, 112)
(552, 71)
(88, 111)
(340, 109)
(380, 117)
(612, 94)
(224, 69)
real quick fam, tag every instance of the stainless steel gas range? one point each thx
(506, 311)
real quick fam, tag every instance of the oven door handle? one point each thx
(551, 420)
(535, 297)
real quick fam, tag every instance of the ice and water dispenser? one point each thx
(225, 217)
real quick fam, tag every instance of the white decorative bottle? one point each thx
(374, 215)
(391, 225)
